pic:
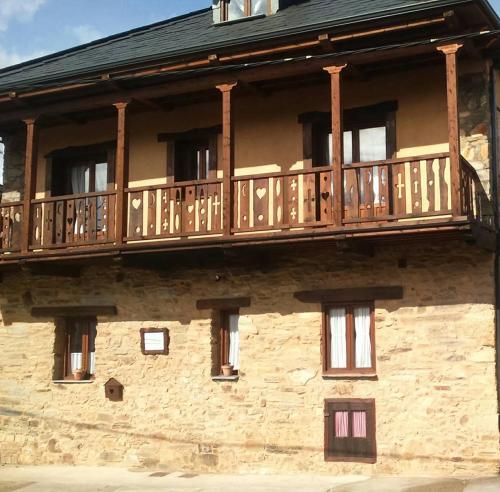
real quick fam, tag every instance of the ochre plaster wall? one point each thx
(268, 136)
(436, 403)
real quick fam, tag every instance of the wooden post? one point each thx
(30, 165)
(337, 145)
(227, 156)
(121, 172)
(450, 51)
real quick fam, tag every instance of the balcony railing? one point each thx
(389, 192)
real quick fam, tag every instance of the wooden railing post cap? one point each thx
(30, 121)
(449, 49)
(121, 104)
(227, 87)
(334, 69)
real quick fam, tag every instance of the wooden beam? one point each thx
(30, 165)
(121, 172)
(73, 311)
(337, 143)
(223, 304)
(227, 155)
(450, 52)
(350, 295)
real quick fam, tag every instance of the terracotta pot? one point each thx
(227, 370)
(78, 375)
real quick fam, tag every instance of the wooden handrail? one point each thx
(398, 160)
(178, 184)
(77, 196)
(11, 204)
(279, 174)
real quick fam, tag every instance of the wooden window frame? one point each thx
(316, 123)
(224, 338)
(333, 405)
(351, 370)
(247, 10)
(81, 154)
(68, 327)
(166, 341)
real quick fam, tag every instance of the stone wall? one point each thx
(435, 392)
(475, 123)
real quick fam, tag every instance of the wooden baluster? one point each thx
(382, 209)
(16, 227)
(214, 193)
(121, 171)
(261, 202)
(80, 220)
(49, 224)
(136, 219)
(6, 228)
(325, 198)
(165, 212)
(431, 185)
(189, 210)
(399, 187)
(450, 51)
(416, 188)
(244, 204)
(227, 155)
(110, 218)
(151, 225)
(177, 208)
(351, 194)
(337, 143)
(443, 187)
(70, 221)
(309, 197)
(202, 204)
(29, 181)
(91, 225)
(292, 194)
(60, 222)
(278, 201)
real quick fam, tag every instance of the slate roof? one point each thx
(196, 32)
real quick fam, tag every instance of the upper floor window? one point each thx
(191, 159)
(237, 9)
(81, 170)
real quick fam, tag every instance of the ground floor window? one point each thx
(350, 430)
(75, 339)
(226, 335)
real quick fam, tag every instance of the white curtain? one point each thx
(80, 179)
(92, 363)
(341, 424)
(101, 176)
(234, 341)
(359, 424)
(76, 361)
(362, 323)
(338, 348)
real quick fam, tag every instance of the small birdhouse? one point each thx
(113, 390)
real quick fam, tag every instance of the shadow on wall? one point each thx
(165, 287)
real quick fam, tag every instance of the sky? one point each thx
(33, 28)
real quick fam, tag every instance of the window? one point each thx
(192, 159)
(348, 339)
(350, 430)
(369, 135)
(227, 346)
(237, 9)
(75, 174)
(76, 342)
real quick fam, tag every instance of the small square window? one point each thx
(239, 9)
(350, 430)
(348, 339)
(76, 341)
(155, 341)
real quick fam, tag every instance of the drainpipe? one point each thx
(496, 212)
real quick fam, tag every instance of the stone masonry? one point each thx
(436, 402)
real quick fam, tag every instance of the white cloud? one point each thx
(8, 58)
(85, 33)
(18, 10)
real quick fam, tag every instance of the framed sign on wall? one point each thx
(155, 341)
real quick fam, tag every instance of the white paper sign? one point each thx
(154, 341)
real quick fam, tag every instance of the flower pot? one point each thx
(227, 370)
(78, 375)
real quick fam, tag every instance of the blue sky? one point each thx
(31, 28)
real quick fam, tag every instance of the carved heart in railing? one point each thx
(325, 195)
(190, 209)
(261, 193)
(70, 221)
(136, 203)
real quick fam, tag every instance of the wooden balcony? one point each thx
(403, 196)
